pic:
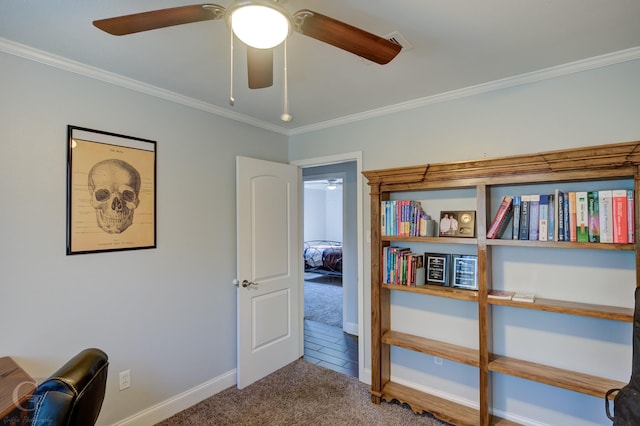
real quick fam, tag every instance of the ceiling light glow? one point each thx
(260, 26)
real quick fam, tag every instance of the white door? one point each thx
(268, 269)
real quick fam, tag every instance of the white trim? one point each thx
(63, 63)
(531, 77)
(182, 401)
(342, 158)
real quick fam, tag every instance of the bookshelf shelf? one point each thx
(433, 347)
(566, 379)
(560, 244)
(572, 308)
(489, 179)
(433, 240)
(440, 408)
(435, 290)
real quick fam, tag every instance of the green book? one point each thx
(594, 217)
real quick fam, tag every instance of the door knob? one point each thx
(244, 283)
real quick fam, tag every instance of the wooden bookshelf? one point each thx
(590, 164)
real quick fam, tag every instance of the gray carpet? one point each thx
(323, 299)
(299, 394)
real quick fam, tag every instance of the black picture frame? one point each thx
(437, 267)
(464, 271)
(111, 192)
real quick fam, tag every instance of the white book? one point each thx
(524, 297)
(582, 217)
(605, 210)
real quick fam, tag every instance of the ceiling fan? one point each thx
(245, 17)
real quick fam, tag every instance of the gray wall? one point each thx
(167, 314)
(593, 107)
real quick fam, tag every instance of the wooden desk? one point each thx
(15, 386)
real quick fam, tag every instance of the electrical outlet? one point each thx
(125, 379)
(436, 360)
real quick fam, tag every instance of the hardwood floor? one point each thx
(331, 348)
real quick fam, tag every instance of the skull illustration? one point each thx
(114, 186)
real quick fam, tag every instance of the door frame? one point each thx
(335, 159)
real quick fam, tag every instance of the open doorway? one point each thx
(330, 259)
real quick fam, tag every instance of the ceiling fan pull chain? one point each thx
(232, 101)
(285, 114)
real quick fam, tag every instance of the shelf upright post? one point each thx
(379, 361)
(484, 313)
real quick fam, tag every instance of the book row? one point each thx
(404, 218)
(401, 266)
(606, 216)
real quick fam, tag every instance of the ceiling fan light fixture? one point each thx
(260, 24)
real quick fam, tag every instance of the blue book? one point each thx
(565, 216)
(560, 216)
(551, 232)
(516, 217)
(524, 217)
(534, 217)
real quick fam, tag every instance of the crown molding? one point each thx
(531, 77)
(66, 64)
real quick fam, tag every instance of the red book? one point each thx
(631, 217)
(619, 208)
(501, 216)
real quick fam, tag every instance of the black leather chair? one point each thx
(73, 395)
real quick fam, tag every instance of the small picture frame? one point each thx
(437, 266)
(464, 271)
(458, 223)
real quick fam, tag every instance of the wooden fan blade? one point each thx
(345, 36)
(145, 21)
(259, 67)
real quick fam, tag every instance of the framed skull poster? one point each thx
(111, 192)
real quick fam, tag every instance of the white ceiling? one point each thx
(457, 44)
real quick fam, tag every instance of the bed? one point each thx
(323, 257)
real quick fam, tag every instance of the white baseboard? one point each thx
(186, 399)
(350, 327)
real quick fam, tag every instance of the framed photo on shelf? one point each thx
(464, 271)
(437, 267)
(458, 223)
(111, 192)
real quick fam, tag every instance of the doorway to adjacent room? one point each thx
(330, 303)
